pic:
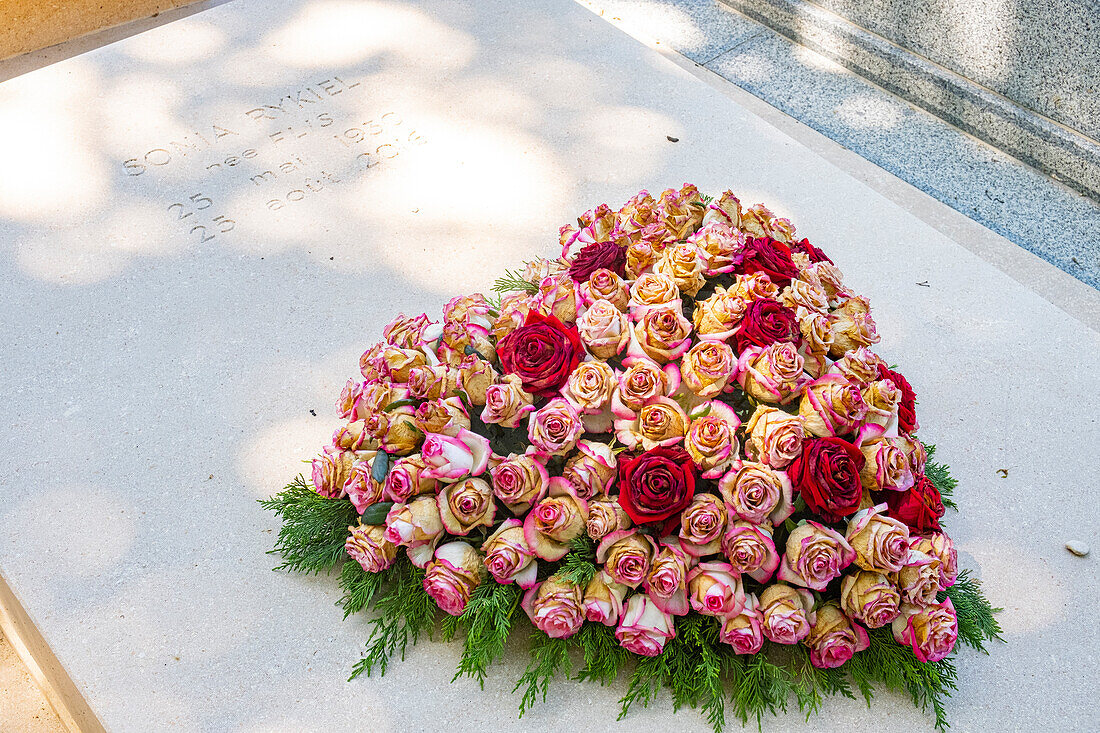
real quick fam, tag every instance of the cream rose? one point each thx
(603, 284)
(717, 317)
(368, 546)
(661, 334)
(919, 579)
(886, 467)
(652, 290)
(660, 422)
(869, 597)
(452, 575)
(717, 244)
(555, 607)
(881, 543)
(751, 550)
(416, 526)
(707, 368)
(589, 388)
(831, 405)
(466, 505)
(626, 556)
(642, 382)
(507, 403)
(331, 471)
(604, 329)
(592, 469)
(555, 428)
(361, 487)
(834, 638)
(757, 494)
(930, 630)
(666, 583)
(555, 520)
(815, 555)
(773, 374)
(853, 327)
(787, 613)
(519, 481)
(711, 439)
(774, 437)
(681, 262)
(445, 417)
(940, 546)
(604, 517)
(702, 524)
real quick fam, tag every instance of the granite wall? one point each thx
(1042, 54)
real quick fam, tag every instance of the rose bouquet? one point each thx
(675, 443)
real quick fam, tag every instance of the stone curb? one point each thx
(1066, 155)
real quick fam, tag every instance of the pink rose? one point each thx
(592, 469)
(757, 493)
(466, 505)
(815, 555)
(708, 367)
(361, 487)
(452, 575)
(331, 471)
(416, 526)
(603, 599)
(930, 630)
(939, 546)
(919, 579)
(831, 405)
(519, 481)
(881, 543)
(555, 428)
(555, 521)
(702, 525)
(834, 638)
(887, 466)
(662, 334)
(507, 556)
(666, 583)
(774, 437)
(714, 589)
(555, 607)
(869, 597)
(454, 458)
(626, 556)
(604, 517)
(644, 628)
(744, 632)
(408, 478)
(751, 550)
(711, 438)
(603, 284)
(604, 329)
(774, 373)
(643, 382)
(368, 546)
(787, 613)
(507, 403)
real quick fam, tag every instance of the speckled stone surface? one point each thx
(1042, 54)
(160, 377)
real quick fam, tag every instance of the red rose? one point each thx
(907, 416)
(766, 322)
(815, 254)
(656, 485)
(543, 352)
(770, 257)
(600, 254)
(919, 507)
(827, 476)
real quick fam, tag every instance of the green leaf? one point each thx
(380, 466)
(400, 403)
(376, 513)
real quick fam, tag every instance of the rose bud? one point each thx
(368, 546)
(751, 550)
(666, 582)
(707, 368)
(558, 298)
(714, 589)
(915, 454)
(555, 428)
(555, 521)
(604, 329)
(589, 389)
(930, 630)
(371, 366)
(592, 469)
(788, 613)
(774, 437)
(662, 334)
(451, 577)
(466, 505)
(834, 638)
(416, 526)
(643, 382)
(656, 485)
(474, 378)
(711, 439)
(757, 494)
(869, 597)
(920, 507)
(626, 556)
(640, 258)
(773, 374)
(662, 422)
(604, 517)
(815, 555)
(907, 419)
(880, 542)
(331, 471)
(397, 362)
(717, 244)
(852, 328)
(826, 475)
(717, 317)
(887, 466)
(603, 284)
(455, 458)
(744, 632)
(681, 263)
(702, 525)
(543, 352)
(345, 403)
(817, 337)
(831, 405)
(644, 628)
(603, 599)
(940, 546)
(800, 294)
(919, 580)
(507, 403)
(361, 487)
(408, 332)
(507, 556)
(407, 477)
(519, 481)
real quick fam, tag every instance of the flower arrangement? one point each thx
(673, 444)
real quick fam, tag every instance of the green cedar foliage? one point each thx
(977, 623)
(314, 527)
(941, 478)
(513, 281)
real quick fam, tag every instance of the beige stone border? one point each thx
(60, 690)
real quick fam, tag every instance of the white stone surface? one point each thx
(155, 384)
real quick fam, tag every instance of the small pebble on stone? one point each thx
(1080, 549)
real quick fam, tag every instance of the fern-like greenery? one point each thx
(578, 566)
(405, 613)
(488, 621)
(512, 281)
(977, 622)
(549, 658)
(941, 478)
(314, 527)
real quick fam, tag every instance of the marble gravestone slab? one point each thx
(204, 225)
